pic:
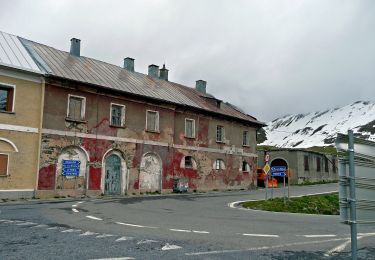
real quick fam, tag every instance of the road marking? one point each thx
(117, 258)
(260, 235)
(88, 233)
(94, 218)
(342, 246)
(74, 206)
(133, 225)
(71, 230)
(180, 230)
(146, 241)
(26, 224)
(170, 247)
(314, 236)
(201, 232)
(75, 210)
(79, 202)
(104, 235)
(4, 220)
(40, 226)
(264, 247)
(52, 228)
(124, 239)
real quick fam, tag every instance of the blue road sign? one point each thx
(278, 169)
(278, 174)
(70, 167)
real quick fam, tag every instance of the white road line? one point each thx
(40, 226)
(71, 230)
(4, 220)
(117, 258)
(170, 247)
(104, 235)
(201, 232)
(88, 233)
(146, 241)
(180, 230)
(133, 225)
(79, 202)
(94, 218)
(314, 236)
(264, 247)
(75, 210)
(26, 224)
(74, 206)
(124, 239)
(342, 246)
(52, 228)
(259, 235)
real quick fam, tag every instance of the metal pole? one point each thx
(272, 187)
(284, 190)
(266, 186)
(352, 200)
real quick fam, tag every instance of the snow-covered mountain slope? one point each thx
(320, 128)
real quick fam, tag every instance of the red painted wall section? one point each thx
(203, 132)
(103, 128)
(95, 177)
(47, 177)
(184, 174)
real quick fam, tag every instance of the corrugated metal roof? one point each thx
(62, 64)
(14, 54)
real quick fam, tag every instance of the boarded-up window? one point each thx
(245, 138)
(152, 121)
(76, 109)
(306, 162)
(3, 164)
(325, 164)
(190, 128)
(117, 115)
(6, 98)
(334, 165)
(318, 163)
(220, 134)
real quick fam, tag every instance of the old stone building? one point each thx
(21, 98)
(110, 130)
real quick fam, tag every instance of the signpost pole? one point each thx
(271, 187)
(352, 199)
(266, 186)
(284, 191)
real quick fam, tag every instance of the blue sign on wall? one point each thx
(278, 174)
(278, 169)
(70, 167)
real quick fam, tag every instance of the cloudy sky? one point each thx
(270, 58)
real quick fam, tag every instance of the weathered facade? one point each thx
(302, 165)
(21, 94)
(110, 130)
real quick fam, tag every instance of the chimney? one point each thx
(75, 47)
(153, 71)
(163, 73)
(129, 64)
(200, 85)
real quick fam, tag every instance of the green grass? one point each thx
(315, 182)
(327, 204)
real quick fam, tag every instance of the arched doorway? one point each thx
(280, 162)
(114, 173)
(150, 173)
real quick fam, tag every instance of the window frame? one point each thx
(326, 164)
(221, 165)
(7, 170)
(306, 163)
(222, 140)
(193, 128)
(247, 164)
(123, 111)
(83, 108)
(13, 89)
(318, 164)
(244, 143)
(157, 125)
(191, 161)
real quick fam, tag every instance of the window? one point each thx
(6, 98)
(188, 162)
(245, 138)
(306, 162)
(76, 108)
(117, 115)
(325, 164)
(189, 128)
(219, 165)
(220, 135)
(152, 121)
(3, 164)
(334, 165)
(318, 163)
(246, 167)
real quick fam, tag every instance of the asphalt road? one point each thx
(190, 226)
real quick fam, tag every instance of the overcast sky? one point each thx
(270, 58)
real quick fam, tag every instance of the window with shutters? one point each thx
(220, 134)
(117, 115)
(245, 138)
(4, 160)
(189, 128)
(76, 108)
(6, 98)
(152, 121)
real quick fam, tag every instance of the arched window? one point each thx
(188, 162)
(246, 167)
(219, 165)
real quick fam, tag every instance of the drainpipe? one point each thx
(40, 134)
